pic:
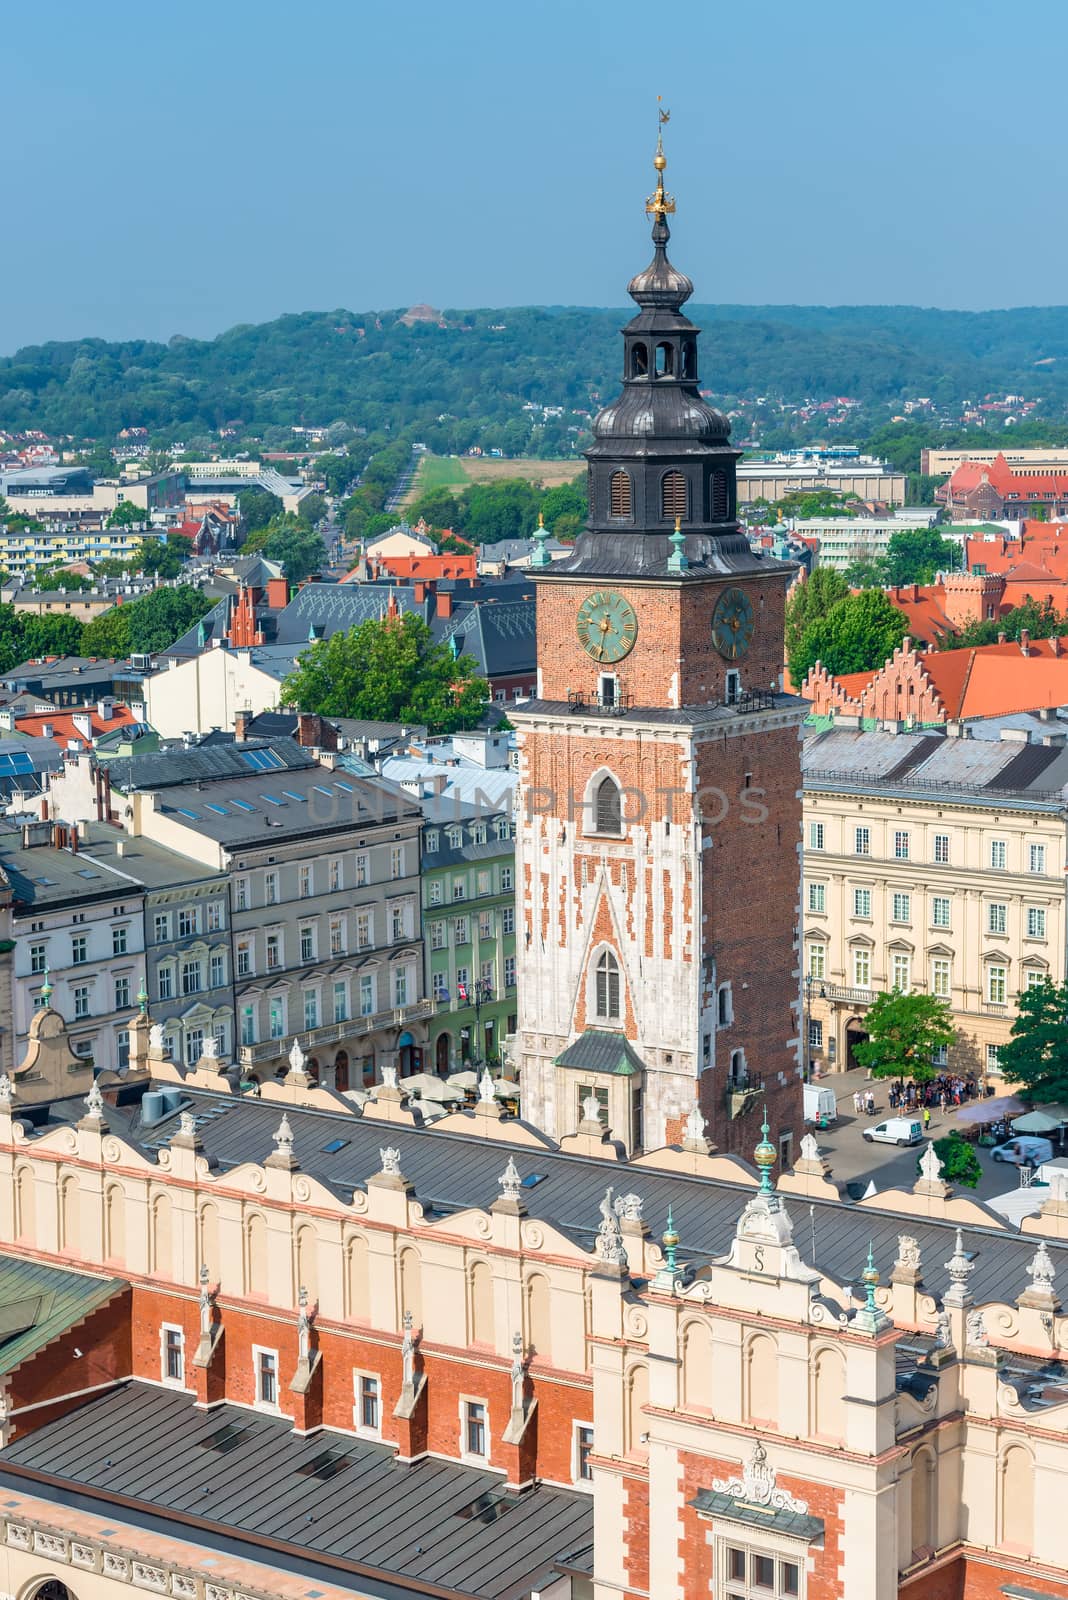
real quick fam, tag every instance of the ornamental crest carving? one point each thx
(757, 1486)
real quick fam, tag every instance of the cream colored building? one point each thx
(932, 862)
(207, 690)
(843, 540)
(868, 480)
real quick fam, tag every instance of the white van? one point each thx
(820, 1104)
(896, 1130)
(1023, 1151)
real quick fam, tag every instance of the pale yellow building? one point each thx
(933, 862)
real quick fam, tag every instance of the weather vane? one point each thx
(660, 204)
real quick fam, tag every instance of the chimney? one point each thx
(420, 593)
(1001, 638)
(106, 708)
(241, 722)
(443, 599)
(1055, 643)
(1025, 641)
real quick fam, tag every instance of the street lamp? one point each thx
(806, 1070)
(476, 994)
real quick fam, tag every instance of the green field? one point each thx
(438, 472)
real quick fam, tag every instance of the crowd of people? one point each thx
(948, 1090)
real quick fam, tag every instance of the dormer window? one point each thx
(674, 497)
(619, 495)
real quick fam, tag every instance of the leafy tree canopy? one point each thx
(388, 671)
(127, 515)
(57, 577)
(809, 601)
(288, 539)
(857, 634)
(866, 572)
(917, 555)
(486, 513)
(1036, 1056)
(146, 625)
(904, 1033)
(336, 471)
(311, 509)
(1040, 620)
(258, 507)
(960, 1164)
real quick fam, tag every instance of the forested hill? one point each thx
(476, 368)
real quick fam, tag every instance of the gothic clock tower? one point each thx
(660, 816)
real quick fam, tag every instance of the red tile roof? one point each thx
(65, 730)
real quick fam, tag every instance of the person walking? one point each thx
(926, 1119)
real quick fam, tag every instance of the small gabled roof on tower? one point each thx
(598, 1050)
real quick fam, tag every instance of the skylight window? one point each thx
(182, 812)
(220, 811)
(272, 800)
(320, 790)
(242, 805)
(347, 787)
(291, 796)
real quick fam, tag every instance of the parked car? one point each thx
(896, 1130)
(1025, 1150)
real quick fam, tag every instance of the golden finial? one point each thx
(660, 204)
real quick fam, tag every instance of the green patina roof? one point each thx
(796, 1523)
(597, 1050)
(39, 1303)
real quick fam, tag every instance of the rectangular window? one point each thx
(274, 951)
(81, 1000)
(462, 977)
(817, 960)
(396, 861)
(363, 869)
(162, 927)
(1036, 858)
(815, 1034)
(122, 1048)
(583, 1451)
(997, 983)
(370, 1403)
(173, 1353)
(862, 903)
(337, 936)
(940, 911)
(459, 888)
(998, 851)
(119, 940)
(307, 943)
(165, 982)
(241, 894)
(507, 877)
(474, 1428)
(508, 919)
(248, 1025)
(218, 970)
(188, 922)
(1034, 978)
(941, 849)
(996, 917)
(270, 888)
(437, 936)
(341, 1002)
(396, 924)
(214, 916)
(278, 1019)
(266, 1376)
(1036, 922)
(459, 930)
(439, 986)
(901, 845)
(993, 1063)
(194, 1046)
(941, 979)
(751, 1575)
(861, 968)
(482, 879)
(485, 924)
(817, 897)
(337, 877)
(364, 930)
(815, 835)
(367, 996)
(436, 895)
(509, 972)
(191, 977)
(305, 881)
(79, 949)
(862, 841)
(244, 958)
(311, 1009)
(431, 841)
(122, 994)
(400, 986)
(38, 957)
(902, 908)
(901, 971)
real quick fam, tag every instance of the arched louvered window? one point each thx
(639, 361)
(607, 986)
(720, 501)
(674, 496)
(619, 495)
(608, 809)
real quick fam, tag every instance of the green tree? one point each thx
(291, 541)
(810, 600)
(916, 555)
(904, 1033)
(866, 572)
(336, 471)
(147, 625)
(55, 577)
(164, 558)
(960, 1164)
(127, 515)
(258, 507)
(858, 634)
(388, 671)
(1036, 1056)
(311, 509)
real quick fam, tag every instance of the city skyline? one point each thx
(183, 182)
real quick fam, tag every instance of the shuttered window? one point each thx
(674, 496)
(619, 494)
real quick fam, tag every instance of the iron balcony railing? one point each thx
(312, 1039)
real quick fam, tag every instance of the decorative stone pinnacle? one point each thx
(1041, 1270)
(908, 1253)
(297, 1058)
(930, 1166)
(694, 1127)
(810, 1150)
(94, 1100)
(610, 1246)
(510, 1181)
(7, 1090)
(677, 561)
(186, 1125)
(142, 998)
(764, 1156)
(389, 1077)
(541, 556)
(283, 1137)
(870, 1279)
(960, 1270)
(46, 988)
(390, 1159)
(670, 1241)
(591, 1111)
(210, 1048)
(485, 1089)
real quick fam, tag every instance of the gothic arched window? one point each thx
(619, 496)
(608, 807)
(674, 496)
(607, 987)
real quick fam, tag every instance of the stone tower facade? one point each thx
(659, 831)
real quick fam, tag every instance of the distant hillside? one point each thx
(377, 371)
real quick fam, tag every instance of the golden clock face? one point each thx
(732, 623)
(607, 625)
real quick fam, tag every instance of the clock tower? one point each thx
(658, 841)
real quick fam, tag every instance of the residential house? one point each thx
(939, 686)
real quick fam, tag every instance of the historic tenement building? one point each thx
(660, 776)
(275, 1346)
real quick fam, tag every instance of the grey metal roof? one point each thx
(499, 636)
(794, 1523)
(344, 1504)
(454, 1171)
(161, 769)
(931, 763)
(331, 608)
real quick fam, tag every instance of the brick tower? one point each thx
(659, 833)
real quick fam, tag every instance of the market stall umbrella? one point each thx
(1036, 1122)
(425, 1086)
(462, 1080)
(1005, 1105)
(507, 1088)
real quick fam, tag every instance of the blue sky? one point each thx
(180, 168)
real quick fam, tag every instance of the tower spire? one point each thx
(660, 204)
